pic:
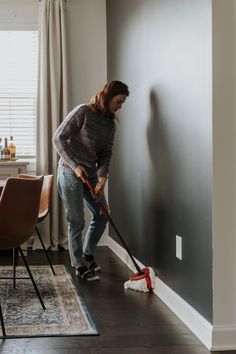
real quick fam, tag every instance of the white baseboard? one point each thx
(103, 241)
(122, 254)
(213, 337)
(224, 338)
(190, 317)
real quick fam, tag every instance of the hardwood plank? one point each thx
(129, 322)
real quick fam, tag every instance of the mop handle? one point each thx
(104, 209)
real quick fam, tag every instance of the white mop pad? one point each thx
(144, 282)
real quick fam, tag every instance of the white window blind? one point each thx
(18, 89)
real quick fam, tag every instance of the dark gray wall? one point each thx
(160, 178)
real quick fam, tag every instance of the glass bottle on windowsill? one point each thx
(6, 154)
(12, 149)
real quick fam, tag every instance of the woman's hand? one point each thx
(99, 189)
(81, 172)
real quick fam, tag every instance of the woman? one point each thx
(84, 142)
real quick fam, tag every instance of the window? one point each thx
(18, 89)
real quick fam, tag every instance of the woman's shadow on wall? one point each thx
(157, 218)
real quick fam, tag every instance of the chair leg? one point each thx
(31, 277)
(2, 322)
(45, 251)
(15, 262)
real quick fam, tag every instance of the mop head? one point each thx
(141, 282)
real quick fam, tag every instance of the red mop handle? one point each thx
(104, 209)
(102, 206)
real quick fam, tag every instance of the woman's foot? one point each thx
(86, 274)
(91, 264)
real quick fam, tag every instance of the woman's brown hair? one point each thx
(101, 99)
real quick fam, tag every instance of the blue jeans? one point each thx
(73, 193)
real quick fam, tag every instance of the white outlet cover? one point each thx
(179, 247)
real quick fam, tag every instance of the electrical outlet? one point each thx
(179, 247)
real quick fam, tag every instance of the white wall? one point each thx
(18, 14)
(86, 48)
(224, 174)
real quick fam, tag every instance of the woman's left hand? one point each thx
(99, 189)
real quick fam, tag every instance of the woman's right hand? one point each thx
(81, 172)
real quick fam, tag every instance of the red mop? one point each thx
(144, 279)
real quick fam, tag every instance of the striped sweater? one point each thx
(85, 138)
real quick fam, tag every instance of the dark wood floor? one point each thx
(129, 322)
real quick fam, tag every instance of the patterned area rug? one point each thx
(65, 314)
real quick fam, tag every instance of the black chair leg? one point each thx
(15, 263)
(45, 251)
(31, 277)
(2, 322)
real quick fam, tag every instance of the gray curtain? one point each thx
(52, 107)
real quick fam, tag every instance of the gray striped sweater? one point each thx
(85, 138)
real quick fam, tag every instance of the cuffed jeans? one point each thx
(73, 193)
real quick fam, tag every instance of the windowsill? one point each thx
(31, 167)
(14, 163)
(30, 162)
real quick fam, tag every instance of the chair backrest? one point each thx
(46, 194)
(19, 208)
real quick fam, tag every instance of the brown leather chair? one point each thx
(19, 208)
(44, 208)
